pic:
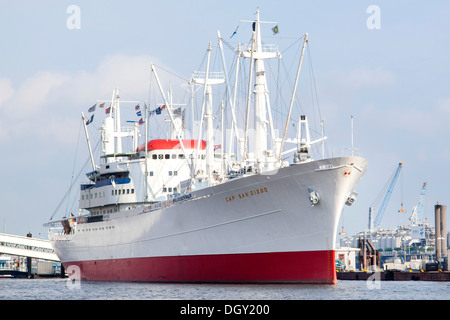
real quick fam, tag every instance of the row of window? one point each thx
(127, 191)
(104, 211)
(93, 195)
(167, 156)
(96, 229)
(174, 156)
(171, 173)
(122, 191)
(102, 194)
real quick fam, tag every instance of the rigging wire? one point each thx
(170, 72)
(74, 181)
(73, 167)
(313, 80)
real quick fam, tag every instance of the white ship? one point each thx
(170, 211)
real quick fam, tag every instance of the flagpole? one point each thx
(87, 139)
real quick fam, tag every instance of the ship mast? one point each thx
(117, 126)
(260, 99)
(258, 53)
(83, 118)
(209, 79)
(111, 130)
(234, 127)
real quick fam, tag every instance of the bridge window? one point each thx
(154, 157)
(167, 156)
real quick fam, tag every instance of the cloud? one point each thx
(49, 104)
(363, 78)
(130, 73)
(34, 95)
(443, 105)
(6, 90)
(419, 122)
(347, 92)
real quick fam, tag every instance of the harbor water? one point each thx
(64, 289)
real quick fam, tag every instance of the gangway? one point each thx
(27, 247)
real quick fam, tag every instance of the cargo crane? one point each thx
(416, 215)
(384, 204)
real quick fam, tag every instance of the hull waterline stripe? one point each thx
(272, 267)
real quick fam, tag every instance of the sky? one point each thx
(387, 66)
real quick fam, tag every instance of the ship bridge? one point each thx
(27, 247)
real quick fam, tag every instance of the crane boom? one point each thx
(385, 199)
(416, 215)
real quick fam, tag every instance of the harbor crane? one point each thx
(416, 215)
(393, 180)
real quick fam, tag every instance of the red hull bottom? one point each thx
(279, 267)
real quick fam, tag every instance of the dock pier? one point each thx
(396, 275)
(27, 250)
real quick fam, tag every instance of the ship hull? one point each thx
(275, 267)
(258, 229)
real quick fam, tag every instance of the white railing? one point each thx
(211, 75)
(264, 48)
(351, 152)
